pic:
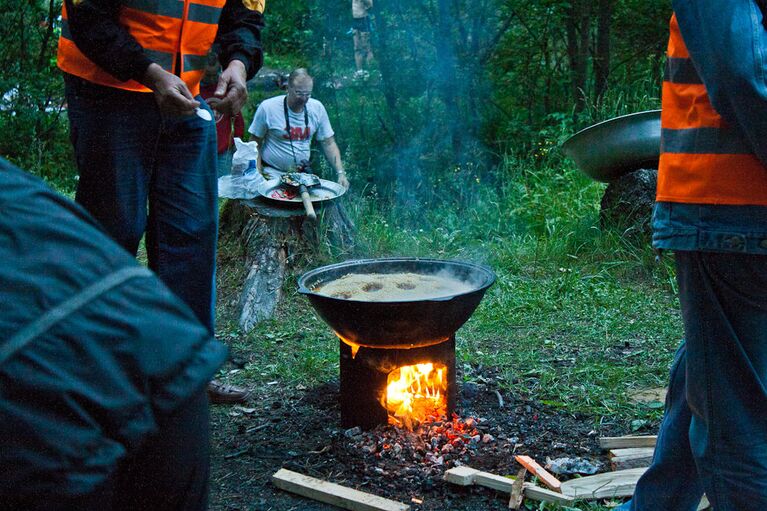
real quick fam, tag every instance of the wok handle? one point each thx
(308, 206)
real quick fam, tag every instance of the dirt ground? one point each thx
(299, 429)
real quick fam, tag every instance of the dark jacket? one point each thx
(93, 347)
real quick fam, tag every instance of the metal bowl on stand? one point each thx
(613, 148)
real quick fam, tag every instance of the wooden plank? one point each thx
(617, 442)
(517, 490)
(465, 476)
(335, 494)
(544, 475)
(603, 486)
(622, 459)
(632, 452)
(462, 476)
(618, 464)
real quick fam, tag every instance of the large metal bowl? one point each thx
(397, 324)
(612, 148)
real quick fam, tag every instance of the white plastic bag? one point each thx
(245, 178)
(245, 157)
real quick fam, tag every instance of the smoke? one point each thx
(422, 114)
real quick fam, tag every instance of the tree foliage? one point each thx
(31, 102)
(457, 83)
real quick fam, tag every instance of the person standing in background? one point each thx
(363, 54)
(144, 140)
(711, 210)
(227, 126)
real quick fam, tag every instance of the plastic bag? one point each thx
(240, 187)
(245, 157)
(245, 179)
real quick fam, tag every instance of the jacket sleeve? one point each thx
(94, 29)
(239, 125)
(728, 45)
(239, 34)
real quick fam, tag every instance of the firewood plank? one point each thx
(601, 486)
(632, 452)
(635, 457)
(462, 476)
(465, 476)
(334, 494)
(618, 442)
(544, 475)
(517, 490)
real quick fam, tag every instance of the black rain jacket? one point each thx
(93, 347)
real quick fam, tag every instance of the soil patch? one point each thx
(299, 429)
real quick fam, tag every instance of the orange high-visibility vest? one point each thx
(175, 34)
(703, 160)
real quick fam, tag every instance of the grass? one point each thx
(578, 318)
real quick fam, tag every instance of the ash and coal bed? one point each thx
(301, 431)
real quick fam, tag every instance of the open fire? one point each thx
(380, 338)
(415, 394)
(403, 387)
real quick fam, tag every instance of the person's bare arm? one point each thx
(333, 155)
(259, 145)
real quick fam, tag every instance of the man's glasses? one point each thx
(302, 93)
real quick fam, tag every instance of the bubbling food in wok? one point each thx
(393, 287)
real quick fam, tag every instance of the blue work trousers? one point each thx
(713, 437)
(145, 173)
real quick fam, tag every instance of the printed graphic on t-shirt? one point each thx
(298, 133)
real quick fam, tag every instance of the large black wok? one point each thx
(397, 324)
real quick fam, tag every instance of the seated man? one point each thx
(284, 126)
(102, 368)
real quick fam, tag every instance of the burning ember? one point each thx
(416, 394)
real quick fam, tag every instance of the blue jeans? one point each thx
(713, 437)
(143, 173)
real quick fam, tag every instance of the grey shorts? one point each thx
(361, 24)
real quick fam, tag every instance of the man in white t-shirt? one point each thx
(284, 126)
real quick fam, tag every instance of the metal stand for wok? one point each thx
(364, 377)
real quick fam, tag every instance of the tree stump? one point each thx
(273, 238)
(628, 202)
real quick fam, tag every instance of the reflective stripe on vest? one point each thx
(172, 33)
(703, 160)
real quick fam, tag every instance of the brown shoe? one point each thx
(221, 393)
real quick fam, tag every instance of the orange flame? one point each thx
(416, 393)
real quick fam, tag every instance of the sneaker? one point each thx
(221, 393)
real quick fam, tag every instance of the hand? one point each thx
(231, 89)
(343, 180)
(170, 92)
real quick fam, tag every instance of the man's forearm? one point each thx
(333, 155)
(259, 145)
(239, 36)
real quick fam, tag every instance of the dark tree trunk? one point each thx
(387, 62)
(578, 23)
(446, 76)
(602, 57)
